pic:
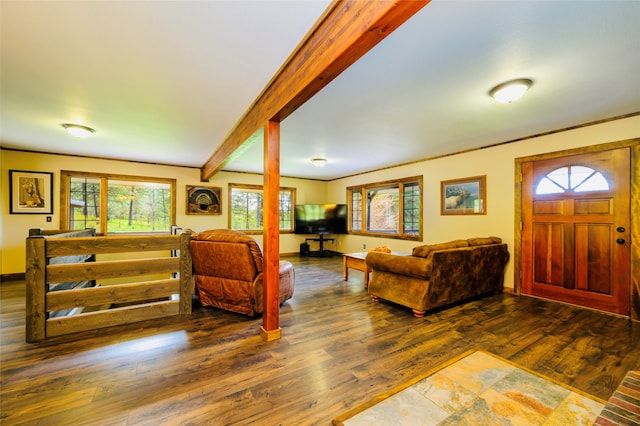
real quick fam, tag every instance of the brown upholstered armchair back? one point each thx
(219, 248)
(227, 268)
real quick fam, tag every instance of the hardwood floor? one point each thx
(338, 349)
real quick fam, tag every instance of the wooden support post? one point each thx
(186, 275)
(35, 309)
(271, 238)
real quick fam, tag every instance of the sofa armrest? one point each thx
(410, 266)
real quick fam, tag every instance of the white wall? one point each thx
(497, 163)
(14, 227)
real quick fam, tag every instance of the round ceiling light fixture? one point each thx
(510, 91)
(319, 162)
(78, 130)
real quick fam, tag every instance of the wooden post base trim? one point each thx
(270, 335)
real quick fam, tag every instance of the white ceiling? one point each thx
(166, 81)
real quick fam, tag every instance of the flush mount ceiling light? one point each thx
(510, 91)
(78, 130)
(319, 162)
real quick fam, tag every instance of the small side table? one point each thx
(356, 261)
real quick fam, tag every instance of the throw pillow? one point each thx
(484, 241)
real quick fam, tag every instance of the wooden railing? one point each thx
(134, 300)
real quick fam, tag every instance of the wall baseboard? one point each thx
(12, 277)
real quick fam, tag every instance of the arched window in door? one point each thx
(572, 178)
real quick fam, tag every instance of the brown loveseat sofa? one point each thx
(227, 268)
(439, 274)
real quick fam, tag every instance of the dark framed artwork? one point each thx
(203, 200)
(463, 196)
(30, 192)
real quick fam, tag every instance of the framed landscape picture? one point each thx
(30, 192)
(203, 200)
(463, 196)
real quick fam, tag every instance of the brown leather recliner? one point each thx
(227, 268)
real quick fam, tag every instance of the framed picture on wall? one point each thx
(204, 200)
(463, 196)
(30, 192)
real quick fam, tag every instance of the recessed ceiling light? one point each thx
(510, 91)
(78, 130)
(319, 162)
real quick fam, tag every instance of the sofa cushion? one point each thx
(484, 241)
(403, 265)
(423, 251)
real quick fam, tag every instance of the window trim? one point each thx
(65, 197)
(399, 183)
(260, 188)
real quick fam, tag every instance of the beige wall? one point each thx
(14, 227)
(497, 163)
(4, 208)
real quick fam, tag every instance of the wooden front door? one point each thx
(575, 229)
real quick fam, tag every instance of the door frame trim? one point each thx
(634, 145)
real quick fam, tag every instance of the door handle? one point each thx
(620, 229)
(620, 241)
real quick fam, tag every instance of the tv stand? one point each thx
(321, 252)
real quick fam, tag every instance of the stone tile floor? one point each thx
(481, 389)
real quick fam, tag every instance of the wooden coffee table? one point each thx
(356, 261)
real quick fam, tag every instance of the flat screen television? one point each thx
(320, 219)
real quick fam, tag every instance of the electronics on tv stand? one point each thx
(321, 251)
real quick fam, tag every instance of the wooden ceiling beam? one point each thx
(345, 32)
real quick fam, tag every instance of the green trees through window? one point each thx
(117, 204)
(84, 203)
(138, 206)
(247, 204)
